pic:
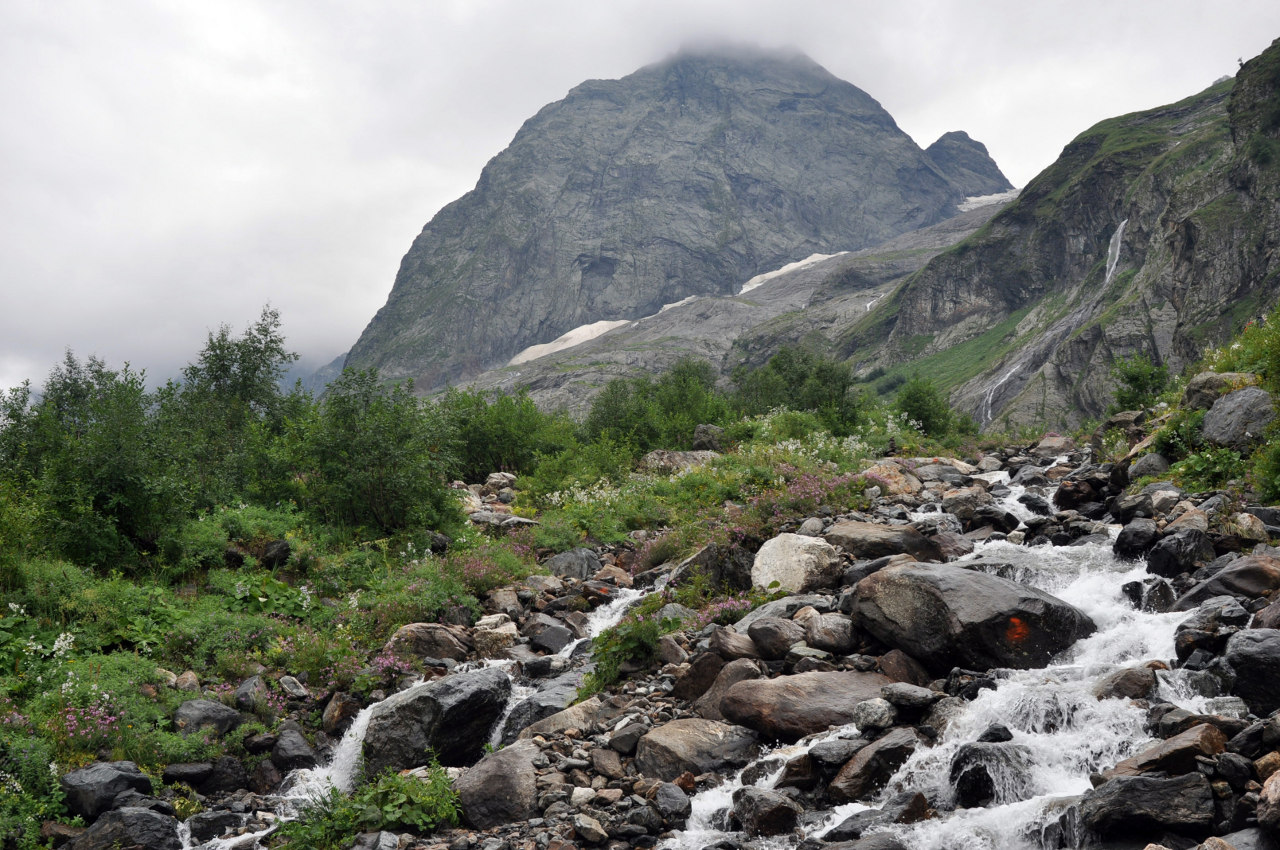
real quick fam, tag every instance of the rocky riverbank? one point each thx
(1015, 652)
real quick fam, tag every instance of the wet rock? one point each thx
(1209, 627)
(982, 773)
(874, 715)
(1136, 538)
(90, 790)
(429, 640)
(228, 775)
(672, 803)
(790, 707)
(1239, 419)
(947, 616)
(338, 714)
(1140, 806)
(694, 745)
(900, 667)
(501, 788)
(1181, 552)
(1250, 577)
(197, 715)
(695, 681)
(1126, 683)
(1254, 656)
(589, 829)
(130, 828)
(451, 716)
(907, 807)
(796, 563)
(1174, 755)
(765, 812)
(292, 751)
(872, 765)
(207, 826)
(774, 636)
(865, 540)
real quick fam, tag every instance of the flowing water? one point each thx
(1113, 252)
(1051, 712)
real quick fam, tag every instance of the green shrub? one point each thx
(1139, 382)
(649, 414)
(800, 380)
(1209, 468)
(501, 432)
(634, 641)
(1181, 435)
(925, 405)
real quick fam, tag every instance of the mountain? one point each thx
(685, 178)
(1156, 232)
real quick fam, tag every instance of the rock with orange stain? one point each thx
(947, 616)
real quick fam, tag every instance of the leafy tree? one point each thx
(924, 403)
(501, 432)
(1140, 382)
(375, 457)
(652, 414)
(803, 381)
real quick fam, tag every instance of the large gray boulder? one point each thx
(501, 788)
(430, 640)
(694, 745)
(869, 540)
(130, 828)
(1254, 656)
(1143, 806)
(1249, 577)
(452, 717)
(581, 563)
(946, 616)
(1207, 387)
(1239, 419)
(197, 715)
(90, 790)
(796, 563)
(789, 707)
(552, 697)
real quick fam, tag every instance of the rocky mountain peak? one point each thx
(687, 177)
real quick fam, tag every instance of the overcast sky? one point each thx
(169, 167)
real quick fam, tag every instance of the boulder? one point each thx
(501, 788)
(790, 707)
(868, 540)
(872, 765)
(1126, 683)
(1209, 627)
(1238, 419)
(946, 616)
(451, 716)
(339, 713)
(667, 461)
(1176, 755)
(797, 563)
(1149, 465)
(831, 632)
(1180, 552)
(892, 479)
(90, 790)
(740, 670)
(774, 636)
(1136, 538)
(551, 698)
(1254, 656)
(580, 563)
(209, 825)
(694, 745)
(197, 715)
(698, 678)
(430, 640)
(764, 812)
(1249, 577)
(1053, 445)
(991, 772)
(130, 828)
(1207, 387)
(292, 751)
(1142, 806)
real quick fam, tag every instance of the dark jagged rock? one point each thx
(872, 765)
(90, 790)
(1238, 419)
(1140, 806)
(1136, 538)
(451, 716)
(130, 828)
(1254, 656)
(983, 773)
(1180, 552)
(947, 616)
(693, 745)
(199, 714)
(764, 812)
(501, 788)
(1249, 577)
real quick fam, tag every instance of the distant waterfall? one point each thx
(1113, 252)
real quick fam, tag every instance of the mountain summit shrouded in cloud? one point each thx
(687, 177)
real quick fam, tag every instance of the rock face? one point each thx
(452, 717)
(501, 787)
(790, 707)
(946, 616)
(680, 179)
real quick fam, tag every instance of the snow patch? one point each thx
(810, 260)
(577, 336)
(680, 303)
(974, 201)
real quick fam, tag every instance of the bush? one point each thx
(802, 381)
(925, 405)
(375, 458)
(1139, 382)
(647, 414)
(498, 432)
